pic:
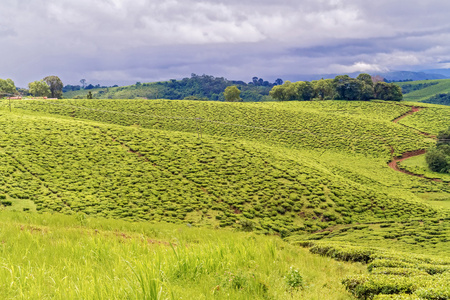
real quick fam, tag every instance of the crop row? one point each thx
(139, 174)
(397, 274)
(431, 120)
(430, 236)
(298, 128)
(436, 87)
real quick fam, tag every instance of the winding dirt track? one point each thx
(393, 164)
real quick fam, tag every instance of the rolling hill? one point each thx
(427, 91)
(305, 171)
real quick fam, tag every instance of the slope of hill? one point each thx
(310, 125)
(304, 170)
(204, 87)
(142, 174)
(428, 89)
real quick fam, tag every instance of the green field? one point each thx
(302, 171)
(428, 89)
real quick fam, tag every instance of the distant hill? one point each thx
(197, 87)
(406, 75)
(429, 91)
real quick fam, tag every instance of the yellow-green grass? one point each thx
(432, 119)
(162, 169)
(393, 275)
(141, 174)
(418, 165)
(44, 256)
(360, 127)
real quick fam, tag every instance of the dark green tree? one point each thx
(438, 158)
(366, 78)
(348, 88)
(55, 85)
(388, 91)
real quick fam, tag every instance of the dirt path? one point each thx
(393, 164)
(414, 109)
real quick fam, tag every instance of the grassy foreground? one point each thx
(52, 256)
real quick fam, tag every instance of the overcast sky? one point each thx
(124, 41)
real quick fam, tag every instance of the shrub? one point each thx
(6, 202)
(293, 279)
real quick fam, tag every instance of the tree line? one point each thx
(342, 87)
(50, 86)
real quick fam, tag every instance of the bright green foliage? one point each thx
(7, 87)
(391, 273)
(293, 279)
(138, 174)
(294, 127)
(316, 170)
(418, 165)
(232, 94)
(432, 119)
(323, 89)
(432, 236)
(39, 89)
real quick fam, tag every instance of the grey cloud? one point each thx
(145, 40)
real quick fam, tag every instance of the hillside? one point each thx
(197, 87)
(428, 91)
(302, 170)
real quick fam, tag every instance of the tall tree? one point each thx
(278, 92)
(39, 89)
(83, 82)
(55, 85)
(7, 86)
(323, 88)
(232, 94)
(366, 78)
(388, 91)
(438, 158)
(348, 88)
(278, 81)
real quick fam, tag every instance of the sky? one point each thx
(126, 41)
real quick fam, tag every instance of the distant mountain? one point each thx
(445, 72)
(407, 75)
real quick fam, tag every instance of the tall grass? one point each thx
(46, 256)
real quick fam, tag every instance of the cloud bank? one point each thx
(120, 41)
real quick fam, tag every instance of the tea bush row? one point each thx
(391, 273)
(297, 128)
(139, 174)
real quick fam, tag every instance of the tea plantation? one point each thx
(313, 173)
